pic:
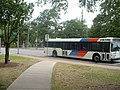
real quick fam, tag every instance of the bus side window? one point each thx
(78, 46)
(68, 46)
(106, 47)
(73, 46)
(49, 44)
(95, 46)
(84, 46)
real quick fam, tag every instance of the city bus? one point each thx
(96, 49)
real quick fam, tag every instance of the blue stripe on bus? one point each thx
(84, 40)
(74, 52)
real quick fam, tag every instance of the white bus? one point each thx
(96, 49)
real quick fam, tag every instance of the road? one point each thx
(40, 54)
(31, 51)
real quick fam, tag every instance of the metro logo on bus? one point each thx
(80, 53)
(89, 39)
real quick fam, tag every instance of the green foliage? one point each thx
(90, 5)
(56, 4)
(13, 14)
(107, 23)
(24, 32)
(46, 22)
(74, 29)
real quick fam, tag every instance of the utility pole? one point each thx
(37, 37)
(82, 16)
(82, 21)
(18, 42)
(0, 39)
(28, 39)
(0, 44)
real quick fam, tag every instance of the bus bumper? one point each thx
(115, 60)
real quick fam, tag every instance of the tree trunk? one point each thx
(6, 53)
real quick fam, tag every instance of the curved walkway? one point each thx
(37, 77)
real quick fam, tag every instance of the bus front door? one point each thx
(105, 56)
(106, 50)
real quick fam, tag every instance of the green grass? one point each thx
(9, 74)
(78, 77)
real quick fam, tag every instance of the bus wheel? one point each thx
(54, 54)
(96, 58)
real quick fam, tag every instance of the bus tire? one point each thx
(54, 53)
(96, 57)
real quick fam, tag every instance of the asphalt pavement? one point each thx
(29, 51)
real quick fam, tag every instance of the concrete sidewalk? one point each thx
(37, 77)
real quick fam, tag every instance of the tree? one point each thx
(13, 13)
(74, 28)
(47, 23)
(23, 33)
(107, 23)
(90, 5)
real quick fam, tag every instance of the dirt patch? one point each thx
(10, 64)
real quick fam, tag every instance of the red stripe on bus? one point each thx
(82, 53)
(93, 39)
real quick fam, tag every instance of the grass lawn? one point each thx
(9, 73)
(77, 77)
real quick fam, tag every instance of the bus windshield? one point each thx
(115, 46)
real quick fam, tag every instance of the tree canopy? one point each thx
(107, 23)
(47, 22)
(74, 28)
(90, 5)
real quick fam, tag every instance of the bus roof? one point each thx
(108, 39)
